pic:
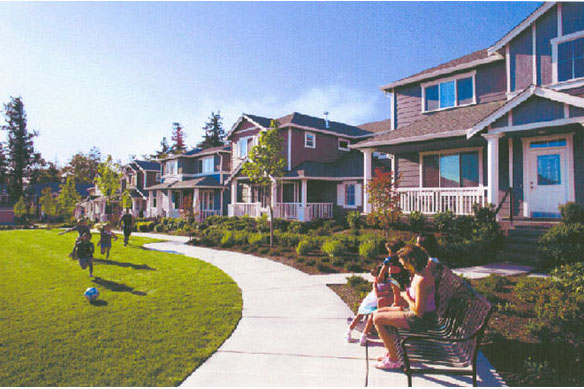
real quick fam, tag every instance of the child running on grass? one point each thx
(82, 228)
(84, 249)
(105, 239)
(385, 292)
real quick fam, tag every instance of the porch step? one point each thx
(520, 245)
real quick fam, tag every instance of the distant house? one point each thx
(136, 177)
(323, 176)
(6, 206)
(502, 125)
(191, 181)
(35, 192)
(95, 206)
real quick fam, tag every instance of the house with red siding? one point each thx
(136, 177)
(502, 125)
(194, 179)
(323, 176)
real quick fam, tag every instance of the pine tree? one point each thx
(214, 132)
(21, 153)
(3, 164)
(178, 137)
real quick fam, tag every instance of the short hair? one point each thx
(428, 242)
(415, 256)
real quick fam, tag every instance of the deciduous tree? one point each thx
(83, 167)
(214, 133)
(108, 178)
(48, 203)
(126, 199)
(266, 164)
(68, 198)
(384, 200)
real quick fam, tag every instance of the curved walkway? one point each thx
(291, 331)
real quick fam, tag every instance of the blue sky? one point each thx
(117, 75)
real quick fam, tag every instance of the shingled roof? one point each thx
(148, 165)
(441, 124)
(205, 182)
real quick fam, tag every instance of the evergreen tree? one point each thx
(44, 173)
(178, 137)
(83, 167)
(163, 152)
(68, 198)
(266, 164)
(3, 165)
(21, 153)
(108, 178)
(214, 133)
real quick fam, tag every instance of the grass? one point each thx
(158, 317)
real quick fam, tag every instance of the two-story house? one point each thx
(323, 176)
(136, 177)
(502, 123)
(191, 181)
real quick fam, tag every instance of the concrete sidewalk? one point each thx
(292, 332)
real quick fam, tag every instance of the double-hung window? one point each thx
(451, 170)
(244, 145)
(172, 167)
(309, 140)
(208, 165)
(570, 59)
(452, 92)
(350, 195)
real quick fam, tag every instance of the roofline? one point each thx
(176, 156)
(419, 138)
(520, 27)
(306, 128)
(320, 178)
(491, 58)
(239, 121)
(521, 98)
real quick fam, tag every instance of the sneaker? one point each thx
(388, 364)
(348, 337)
(363, 340)
(91, 275)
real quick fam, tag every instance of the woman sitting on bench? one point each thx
(420, 314)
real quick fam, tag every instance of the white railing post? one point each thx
(367, 162)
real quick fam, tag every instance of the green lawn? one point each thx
(158, 317)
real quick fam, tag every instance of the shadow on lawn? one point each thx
(98, 303)
(122, 264)
(117, 287)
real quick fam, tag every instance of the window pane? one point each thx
(578, 67)
(430, 176)
(469, 168)
(464, 91)
(242, 147)
(447, 94)
(548, 170)
(432, 98)
(579, 48)
(565, 60)
(350, 194)
(450, 171)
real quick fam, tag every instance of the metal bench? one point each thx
(452, 345)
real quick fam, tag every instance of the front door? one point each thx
(547, 176)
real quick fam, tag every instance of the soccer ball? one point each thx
(91, 294)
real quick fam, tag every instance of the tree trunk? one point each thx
(271, 226)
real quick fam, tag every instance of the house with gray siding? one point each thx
(502, 125)
(192, 180)
(136, 177)
(323, 176)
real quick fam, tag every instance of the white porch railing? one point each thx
(312, 211)
(205, 213)
(242, 209)
(434, 200)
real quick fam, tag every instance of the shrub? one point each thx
(228, 239)
(563, 244)
(354, 267)
(239, 237)
(572, 213)
(354, 220)
(358, 283)
(145, 226)
(323, 267)
(444, 221)
(368, 250)
(288, 239)
(304, 247)
(295, 227)
(310, 261)
(158, 228)
(257, 239)
(338, 262)
(334, 248)
(416, 221)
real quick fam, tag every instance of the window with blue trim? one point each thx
(571, 60)
(350, 194)
(449, 94)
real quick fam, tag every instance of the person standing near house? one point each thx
(127, 223)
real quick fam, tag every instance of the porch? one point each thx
(433, 200)
(291, 211)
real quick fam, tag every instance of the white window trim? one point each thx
(343, 148)
(203, 164)
(306, 134)
(447, 152)
(448, 79)
(555, 43)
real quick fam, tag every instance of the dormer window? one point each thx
(309, 140)
(451, 92)
(244, 145)
(172, 167)
(208, 165)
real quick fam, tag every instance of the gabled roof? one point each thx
(440, 124)
(522, 97)
(479, 57)
(306, 122)
(148, 165)
(521, 26)
(376, 127)
(205, 182)
(197, 152)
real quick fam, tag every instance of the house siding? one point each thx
(572, 17)
(326, 150)
(408, 105)
(408, 170)
(521, 58)
(537, 109)
(518, 197)
(579, 166)
(545, 30)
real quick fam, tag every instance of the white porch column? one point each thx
(302, 212)
(367, 161)
(274, 197)
(231, 210)
(493, 167)
(170, 206)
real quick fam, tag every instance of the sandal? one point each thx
(388, 364)
(382, 357)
